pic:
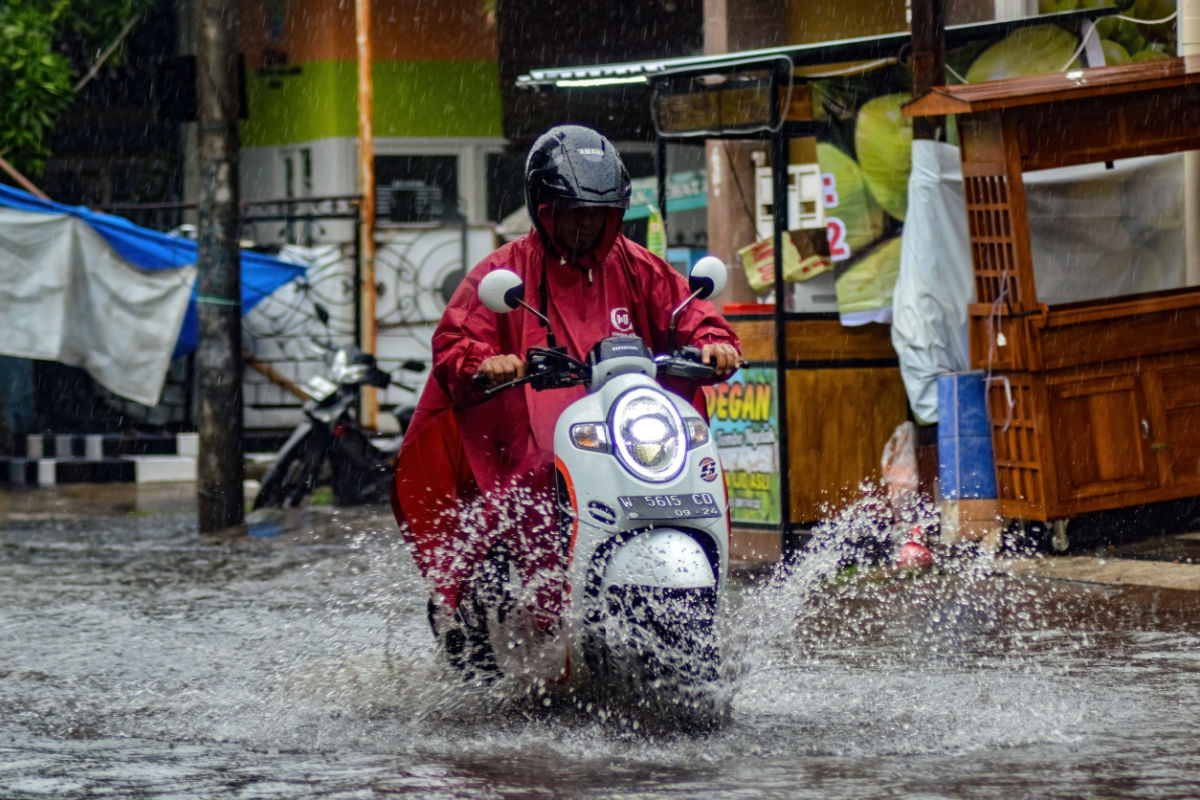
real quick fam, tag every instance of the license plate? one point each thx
(670, 506)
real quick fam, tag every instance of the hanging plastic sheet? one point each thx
(1096, 231)
(96, 291)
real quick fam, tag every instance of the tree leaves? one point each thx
(35, 83)
(43, 45)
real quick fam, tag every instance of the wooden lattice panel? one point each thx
(1015, 440)
(993, 244)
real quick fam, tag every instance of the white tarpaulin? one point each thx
(929, 307)
(66, 296)
(1096, 232)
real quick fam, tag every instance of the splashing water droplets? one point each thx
(154, 665)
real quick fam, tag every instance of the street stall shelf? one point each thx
(836, 390)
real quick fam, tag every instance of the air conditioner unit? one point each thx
(413, 201)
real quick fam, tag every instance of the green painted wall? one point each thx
(412, 99)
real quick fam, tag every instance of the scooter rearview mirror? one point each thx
(708, 277)
(412, 365)
(501, 290)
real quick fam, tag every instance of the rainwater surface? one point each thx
(139, 661)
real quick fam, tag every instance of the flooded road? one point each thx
(139, 662)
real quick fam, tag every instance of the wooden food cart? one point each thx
(844, 398)
(1093, 405)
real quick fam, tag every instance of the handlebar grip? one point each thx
(480, 381)
(683, 368)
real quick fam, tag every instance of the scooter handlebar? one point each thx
(685, 363)
(480, 381)
(551, 369)
(546, 368)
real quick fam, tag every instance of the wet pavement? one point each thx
(137, 660)
(79, 501)
(1165, 560)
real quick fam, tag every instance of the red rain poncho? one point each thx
(461, 446)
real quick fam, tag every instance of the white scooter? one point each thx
(644, 523)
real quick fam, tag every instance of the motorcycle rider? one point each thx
(473, 470)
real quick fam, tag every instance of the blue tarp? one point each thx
(151, 250)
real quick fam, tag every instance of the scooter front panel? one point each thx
(663, 558)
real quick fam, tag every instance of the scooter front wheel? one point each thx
(667, 635)
(657, 649)
(293, 475)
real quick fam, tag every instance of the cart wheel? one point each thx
(1059, 541)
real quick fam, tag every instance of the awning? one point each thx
(151, 250)
(859, 49)
(96, 291)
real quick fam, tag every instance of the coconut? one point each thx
(1114, 53)
(883, 139)
(1148, 53)
(1035, 50)
(870, 283)
(856, 208)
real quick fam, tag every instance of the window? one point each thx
(297, 185)
(505, 184)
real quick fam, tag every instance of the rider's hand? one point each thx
(502, 369)
(723, 357)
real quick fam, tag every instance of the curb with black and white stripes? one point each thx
(53, 459)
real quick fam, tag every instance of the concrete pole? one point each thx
(218, 367)
(730, 26)
(366, 183)
(1188, 38)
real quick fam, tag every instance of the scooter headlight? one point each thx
(649, 435)
(346, 373)
(352, 368)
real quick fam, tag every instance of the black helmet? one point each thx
(574, 166)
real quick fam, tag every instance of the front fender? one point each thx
(662, 557)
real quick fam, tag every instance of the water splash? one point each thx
(836, 607)
(303, 666)
(957, 658)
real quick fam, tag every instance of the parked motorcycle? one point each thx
(330, 435)
(644, 529)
